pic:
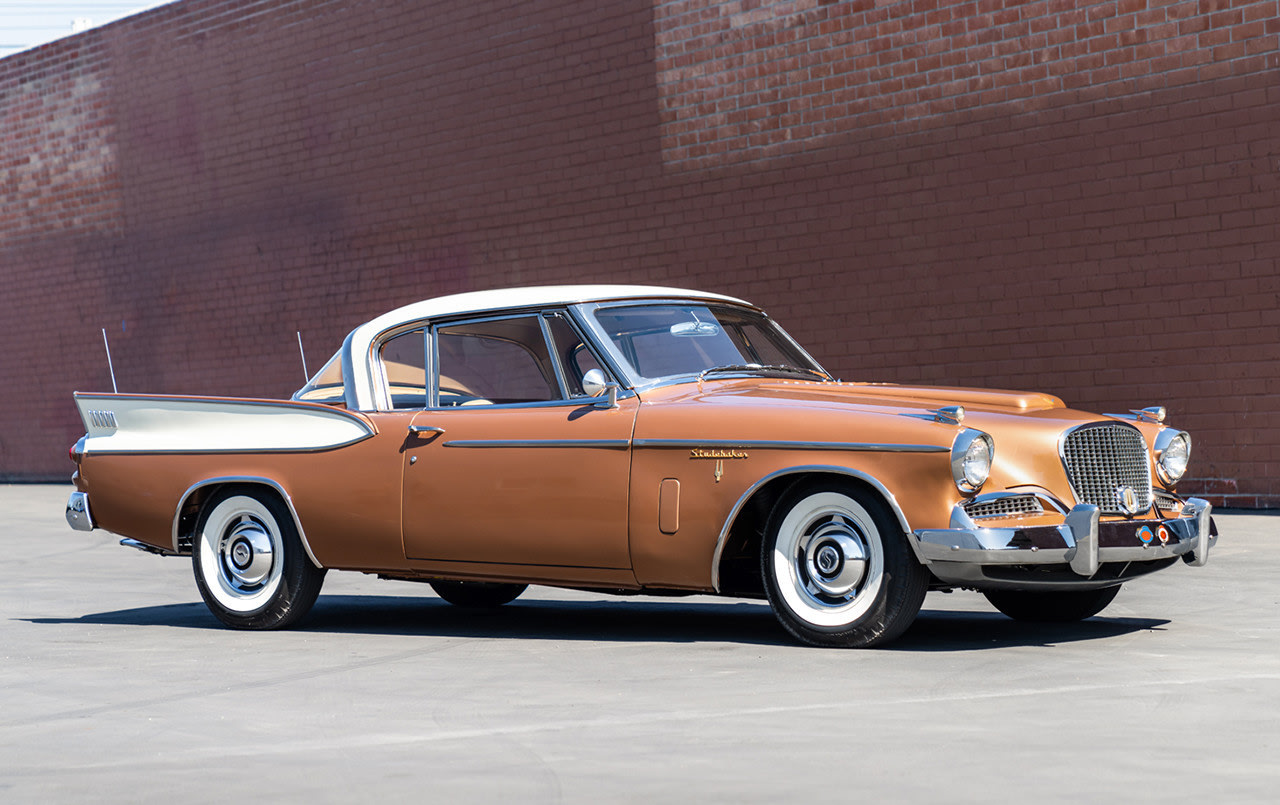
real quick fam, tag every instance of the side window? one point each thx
(494, 362)
(404, 366)
(575, 358)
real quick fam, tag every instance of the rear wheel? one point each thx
(1061, 606)
(480, 594)
(837, 569)
(249, 562)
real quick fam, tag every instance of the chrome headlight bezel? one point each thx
(972, 454)
(1165, 453)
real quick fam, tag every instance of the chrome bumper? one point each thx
(1080, 542)
(78, 516)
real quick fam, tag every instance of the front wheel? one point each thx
(249, 562)
(479, 594)
(837, 569)
(1062, 606)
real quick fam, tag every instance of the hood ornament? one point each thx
(951, 414)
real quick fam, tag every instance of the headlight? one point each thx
(971, 456)
(1172, 451)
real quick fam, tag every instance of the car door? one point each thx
(510, 461)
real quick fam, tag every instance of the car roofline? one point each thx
(356, 371)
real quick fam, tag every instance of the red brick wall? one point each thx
(1078, 198)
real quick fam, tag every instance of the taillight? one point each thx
(76, 451)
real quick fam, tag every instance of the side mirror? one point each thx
(595, 383)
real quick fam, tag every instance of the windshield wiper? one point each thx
(758, 367)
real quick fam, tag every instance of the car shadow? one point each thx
(662, 621)
(951, 630)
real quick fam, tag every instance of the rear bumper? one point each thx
(78, 514)
(965, 554)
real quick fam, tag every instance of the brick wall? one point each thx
(1077, 198)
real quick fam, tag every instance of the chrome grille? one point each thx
(1104, 457)
(1166, 502)
(1004, 506)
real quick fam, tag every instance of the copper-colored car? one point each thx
(636, 439)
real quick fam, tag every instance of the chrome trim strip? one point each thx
(572, 402)
(244, 479)
(815, 468)
(863, 447)
(596, 444)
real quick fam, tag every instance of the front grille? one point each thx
(1004, 506)
(1166, 502)
(1104, 457)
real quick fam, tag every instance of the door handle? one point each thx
(425, 429)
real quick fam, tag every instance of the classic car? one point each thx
(636, 439)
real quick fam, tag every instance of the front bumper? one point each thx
(969, 555)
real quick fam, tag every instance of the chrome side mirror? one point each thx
(593, 382)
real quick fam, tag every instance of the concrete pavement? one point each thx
(116, 685)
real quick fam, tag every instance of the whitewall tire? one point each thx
(837, 569)
(249, 563)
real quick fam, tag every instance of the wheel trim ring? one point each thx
(790, 582)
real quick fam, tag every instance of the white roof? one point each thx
(536, 296)
(361, 338)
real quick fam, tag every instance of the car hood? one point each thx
(1026, 426)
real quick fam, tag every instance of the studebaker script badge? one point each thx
(719, 456)
(716, 454)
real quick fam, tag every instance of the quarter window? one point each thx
(404, 365)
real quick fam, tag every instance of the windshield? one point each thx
(662, 341)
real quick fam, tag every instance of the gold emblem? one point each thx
(718, 455)
(1127, 497)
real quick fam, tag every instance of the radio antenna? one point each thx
(110, 368)
(306, 376)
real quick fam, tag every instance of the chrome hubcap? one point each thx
(245, 555)
(832, 559)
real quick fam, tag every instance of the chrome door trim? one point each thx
(859, 447)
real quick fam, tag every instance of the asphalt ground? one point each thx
(117, 686)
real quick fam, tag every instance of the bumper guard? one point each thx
(1081, 541)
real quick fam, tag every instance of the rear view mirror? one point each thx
(695, 329)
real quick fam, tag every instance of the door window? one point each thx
(494, 362)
